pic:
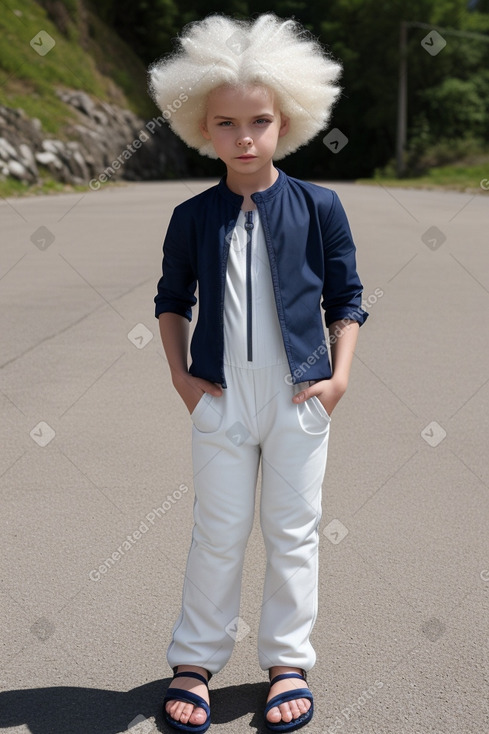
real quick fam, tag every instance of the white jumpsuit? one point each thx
(254, 419)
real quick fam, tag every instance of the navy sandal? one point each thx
(291, 695)
(180, 694)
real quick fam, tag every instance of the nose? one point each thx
(245, 141)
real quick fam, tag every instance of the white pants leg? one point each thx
(254, 416)
(225, 477)
(294, 452)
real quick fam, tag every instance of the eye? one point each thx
(262, 121)
(225, 123)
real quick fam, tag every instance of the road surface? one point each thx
(96, 479)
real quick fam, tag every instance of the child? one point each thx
(264, 249)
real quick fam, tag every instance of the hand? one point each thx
(192, 388)
(329, 393)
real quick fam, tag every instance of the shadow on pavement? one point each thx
(69, 710)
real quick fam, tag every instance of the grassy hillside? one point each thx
(87, 55)
(471, 178)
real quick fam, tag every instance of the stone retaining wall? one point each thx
(105, 143)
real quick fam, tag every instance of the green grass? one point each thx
(89, 57)
(457, 177)
(12, 187)
(51, 111)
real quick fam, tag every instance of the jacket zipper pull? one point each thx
(249, 334)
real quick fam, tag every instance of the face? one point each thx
(244, 125)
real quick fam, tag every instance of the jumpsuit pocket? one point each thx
(321, 407)
(207, 416)
(313, 416)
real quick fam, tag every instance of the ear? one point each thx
(284, 126)
(203, 129)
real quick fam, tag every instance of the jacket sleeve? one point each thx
(342, 289)
(176, 287)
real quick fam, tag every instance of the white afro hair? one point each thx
(271, 52)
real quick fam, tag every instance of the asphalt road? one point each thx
(95, 465)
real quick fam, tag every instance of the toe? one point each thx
(198, 716)
(180, 711)
(274, 715)
(287, 711)
(303, 705)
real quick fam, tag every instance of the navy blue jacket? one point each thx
(312, 261)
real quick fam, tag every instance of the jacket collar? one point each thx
(259, 196)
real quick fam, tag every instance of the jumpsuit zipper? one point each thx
(249, 313)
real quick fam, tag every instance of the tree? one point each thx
(446, 91)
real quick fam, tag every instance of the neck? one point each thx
(245, 185)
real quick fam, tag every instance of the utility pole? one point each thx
(403, 80)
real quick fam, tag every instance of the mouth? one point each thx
(246, 157)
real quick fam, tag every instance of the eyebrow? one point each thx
(225, 117)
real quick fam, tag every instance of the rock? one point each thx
(78, 167)
(28, 158)
(79, 158)
(17, 170)
(100, 118)
(6, 150)
(52, 146)
(49, 159)
(82, 101)
(102, 135)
